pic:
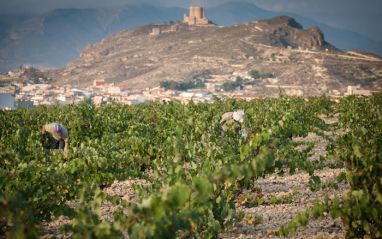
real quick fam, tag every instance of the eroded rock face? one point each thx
(310, 37)
(285, 31)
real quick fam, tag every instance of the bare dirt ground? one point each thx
(273, 216)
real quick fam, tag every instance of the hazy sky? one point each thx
(361, 16)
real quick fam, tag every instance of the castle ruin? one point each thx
(156, 31)
(196, 17)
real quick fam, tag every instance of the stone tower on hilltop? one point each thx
(197, 16)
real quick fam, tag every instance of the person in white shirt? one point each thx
(234, 120)
(60, 135)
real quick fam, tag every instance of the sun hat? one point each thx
(238, 116)
(57, 130)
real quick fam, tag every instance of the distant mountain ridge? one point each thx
(56, 38)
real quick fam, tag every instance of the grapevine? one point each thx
(197, 173)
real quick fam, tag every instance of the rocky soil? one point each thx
(273, 216)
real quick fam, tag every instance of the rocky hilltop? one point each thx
(139, 58)
(284, 31)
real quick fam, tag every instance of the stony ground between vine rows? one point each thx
(273, 216)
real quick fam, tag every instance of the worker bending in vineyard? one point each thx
(235, 121)
(60, 138)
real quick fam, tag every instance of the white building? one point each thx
(97, 100)
(139, 98)
(187, 94)
(200, 95)
(34, 87)
(146, 92)
(213, 86)
(114, 90)
(38, 98)
(64, 98)
(357, 90)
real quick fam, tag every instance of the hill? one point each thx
(53, 39)
(279, 45)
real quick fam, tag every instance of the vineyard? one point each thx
(197, 179)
